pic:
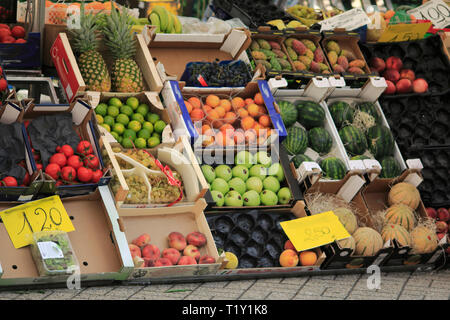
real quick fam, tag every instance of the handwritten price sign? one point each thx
(404, 32)
(40, 215)
(437, 11)
(314, 231)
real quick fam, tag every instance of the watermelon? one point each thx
(296, 140)
(288, 112)
(342, 113)
(402, 215)
(380, 141)
(299, 158)
(370, 109)
(361, 157)
(390, 168)
(320, 140)
(367, 241)
(333, 168)
(310, 114)
(353, 139)
(394, 231)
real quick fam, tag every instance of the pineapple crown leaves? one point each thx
(85, 38)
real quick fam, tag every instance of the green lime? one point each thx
(157, 135)
(109, 120)
(128, 133)
(125, 109)
(144, 133)
(153, 142)
(159, 126)
(152, 117)
(140, 143)
(113, 111)
(99, 118)
(138, 117)
(107, 127)
(143, 109)
(133, 102)
(127, 143)
(101, 109)
(148, 125)
(123, 119)
(119, 128)
(135, 125)
(115, 135)
(119, 139)
(115, 102)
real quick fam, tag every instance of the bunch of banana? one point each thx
(281, 25)
(306, 15)
(164, 21)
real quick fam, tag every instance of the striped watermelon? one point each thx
(361, 157)
(402, 215)
(320, 140)
(423, 240)
(367, 241)
(390, 168)
(288, 112)
(380, 141)
(342, 113)
(353, 139)
(333, 168)
(299, 158)
(370, 109)
(296, 140)
(310, 114)
(394, 231)
(405, 193)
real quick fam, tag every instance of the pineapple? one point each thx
(91, 63)
(125, 73)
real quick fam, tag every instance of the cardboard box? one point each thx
(70, 76)
(104, 257)
(159, 224)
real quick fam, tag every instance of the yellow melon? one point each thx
(402, 215)
(423, 240)
(367, 241)
(405, 193)
(347, 218)
(394, 231)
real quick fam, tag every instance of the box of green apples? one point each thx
(255, 179)
(135, 121)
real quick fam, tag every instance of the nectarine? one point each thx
(135, 250)
(172, 254)
(186, 260)
(288, 258)
(192, 251)
(177, 241)
(162, 262)
(197, 239)
(142, 240)
(307, 258)
(206, 260)
(288, 245)
(150, 251)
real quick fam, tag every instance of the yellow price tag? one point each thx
(314, 231)
(40, 215)
(404, 32)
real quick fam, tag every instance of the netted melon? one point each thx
(347, 218)
(423, 240)
(405, 193)
(348, 243)
(401, 214)
(367, 241)
(394, 231)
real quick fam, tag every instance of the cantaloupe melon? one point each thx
(367, 241)
(423, 240)
(348, 243)
(347, 218)
(402, 215)
(405, 193)
(394, 231)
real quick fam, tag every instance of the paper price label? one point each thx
(349, 20)
(437, 11)
(405, 32)
(314, 231)
(40, 215)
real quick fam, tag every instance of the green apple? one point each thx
(245, 158)
(276, 170)
(258, 171)
(254, 183)
(240, 171)
(269, 198)
(284, 195)
(263, 158)
(251, 198)
(233, 199)
(271, 183)
(238, 185)
(218, 198)
(220, 185)
(223, 171)
(209, 173)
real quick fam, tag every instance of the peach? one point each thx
(394, 63)
(392, 75)
(237, 103)
(221, 111)
(177, 241)
(142, 240)
(135, 250)
(230, 117)
(242, 113)
(262, 110)
(189, 107)
(288, 245)
(195, 102)
(226, 104)
(407, 74)
(172, 254)
(228, 130)
(288, 258)
(213, 100)
(197, 115)
(443, 214)
(258, 98)
(138, 262)
(441, 227)
(212, 115)
(197, 239)
(377, 64)
(264, 120)
(404, 86)
(151, 252)
(249, 101)
(163, 262)
(391, 88)
(149, 262)
(206, 260)
(307, 258)
(186, 260)
(247, 123)
(420, 85)
(253, 110)
(192, 251)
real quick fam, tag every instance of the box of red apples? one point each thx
(441, 216)
(19, 50)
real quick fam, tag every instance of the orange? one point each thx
(195, 102)
(264, 120)
(247, 123)
(197, 115)
(238, 103)
(221, 111)
(249, 101)
(242, 113)
(213, 100)
(226, 104)
(253, 110)
(258, 98)
(188, 106)
(229, 117)
(262, 110)
(227, 129)
(307, 258)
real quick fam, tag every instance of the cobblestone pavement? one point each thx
(394, 286)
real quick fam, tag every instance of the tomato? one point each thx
(96, 176)
(74, 162)
(9, 182)
(69, 173)
(58, 149)
(91, 161)
(36, 156)
(67, 150)
(53, 170)
(39, 166)
(59, 183)
(84, 147)
(58, 158)
(84, 174)
(26, 179)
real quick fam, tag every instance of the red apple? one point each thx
(394, 63)
(404, 86)
(431, 212)
(420, 85)
(377, 64)
(443, 214)
(390, 89)
(407, 74)
(391, 75)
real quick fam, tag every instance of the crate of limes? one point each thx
(136, 121)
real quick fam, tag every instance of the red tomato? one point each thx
(69, 173)
(67, 150)
(9, 182)
(74, 162)
(59, 183)
(84, 174)
(96, 176)
(91, 161)
(53, 170)
(84, 147)
(39, 166)
(58, 158)
(27, 179)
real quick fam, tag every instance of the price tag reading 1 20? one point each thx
(40, 215)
